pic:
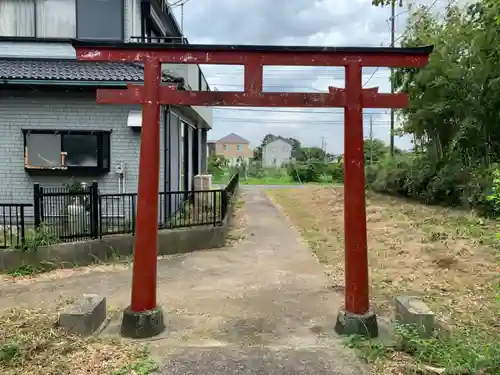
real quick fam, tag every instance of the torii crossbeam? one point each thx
(143, 317)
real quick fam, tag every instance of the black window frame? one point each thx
(35, 29)
(36, 37)
(103, 143)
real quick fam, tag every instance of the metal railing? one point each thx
(12, 225)
(159, 39)
(83, 214)
(176, 209)
(87, 214)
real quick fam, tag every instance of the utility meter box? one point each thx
(204, 195)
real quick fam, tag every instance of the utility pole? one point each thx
(371, 140)
(323, 147)
(393, 35)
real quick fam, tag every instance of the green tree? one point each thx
(295, 147)
(267, 139)
(454, 108)
(311, 153)
(375, 150)
(257, 153)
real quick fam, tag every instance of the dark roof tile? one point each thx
(72, 70)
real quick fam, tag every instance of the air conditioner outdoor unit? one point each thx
(134, 119)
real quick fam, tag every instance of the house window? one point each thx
(38, 18)
(239, 147)
(67, 150)
(225, 147)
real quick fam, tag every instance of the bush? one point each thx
(310, 172)
(445, 182)
(391, 175)
(256, 171)
(336, 171)
(216, 166)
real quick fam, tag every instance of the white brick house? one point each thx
(276, 153)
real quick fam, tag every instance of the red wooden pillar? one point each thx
(356, 255)
(146, 238)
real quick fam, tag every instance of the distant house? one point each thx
(234, 148)
(276, 153)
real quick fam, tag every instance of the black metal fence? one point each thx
(176, 209)
(84, 213)
(12, 225)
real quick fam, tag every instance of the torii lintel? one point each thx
(169, 94)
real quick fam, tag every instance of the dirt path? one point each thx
(260, 307)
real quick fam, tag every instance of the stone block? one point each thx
(85, 315)
(413, 311)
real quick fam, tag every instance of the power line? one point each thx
(393, 17)
(178, 3)
(308, 74)
(284, 121)
(379, 123)
(418, 20)
(322, 111)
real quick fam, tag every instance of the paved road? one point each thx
(260, 307)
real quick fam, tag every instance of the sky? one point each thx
(292, 22)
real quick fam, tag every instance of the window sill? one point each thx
(34, 39)
(92, 171)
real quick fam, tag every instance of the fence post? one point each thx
(215, 204)
(22, 227)
(224, 204)
(94, 211)
(133, 214)
(37, 193)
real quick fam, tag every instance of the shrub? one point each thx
(216, 165)
(256, 171)
(445, 182)
(310, 172)
(336, 171)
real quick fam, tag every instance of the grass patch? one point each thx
(445, 257)
(268, 180)
(264, 176)
(463, 351)
(32, 344)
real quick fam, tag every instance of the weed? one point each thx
(462, 351)
(370, 351)
(9, 352)
(144, 366)
(42, 236)
(26, 270)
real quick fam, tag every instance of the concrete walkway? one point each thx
(260, 307)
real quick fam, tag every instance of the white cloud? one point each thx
(298, 22)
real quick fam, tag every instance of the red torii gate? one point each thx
(144, 318)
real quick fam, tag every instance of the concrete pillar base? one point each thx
(141, 325)
(354, 324)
